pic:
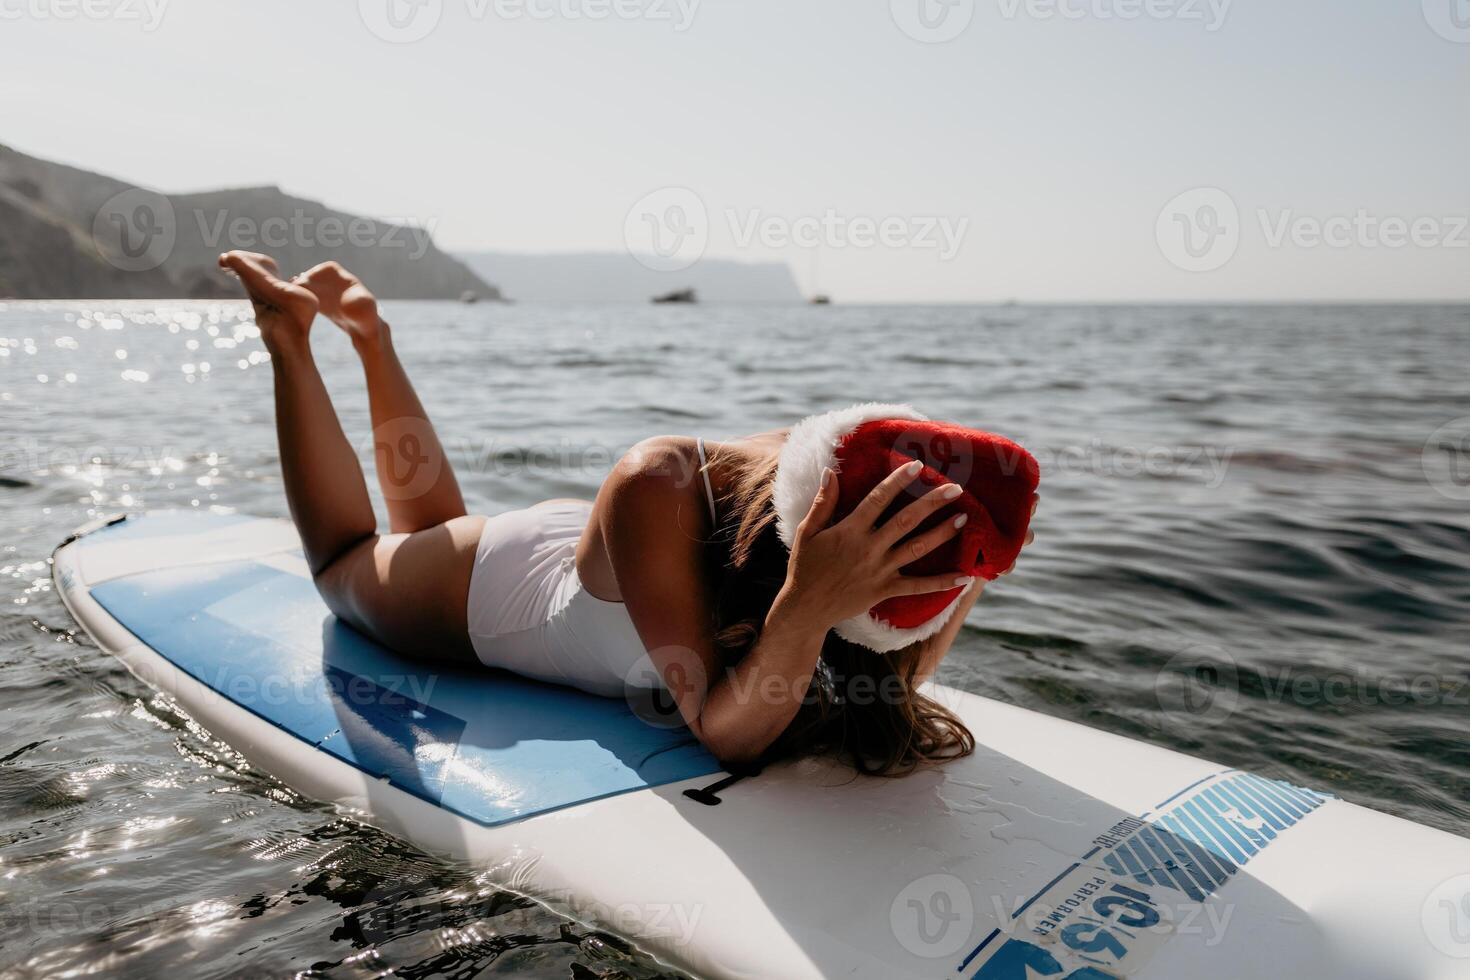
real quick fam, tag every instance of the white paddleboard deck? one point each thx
(1054, 851)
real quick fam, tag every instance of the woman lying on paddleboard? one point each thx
(792, 590)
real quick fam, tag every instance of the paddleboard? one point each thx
(1054, 851)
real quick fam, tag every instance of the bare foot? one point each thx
(283, 310)
(345, 301)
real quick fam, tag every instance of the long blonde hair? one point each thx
(862, 705)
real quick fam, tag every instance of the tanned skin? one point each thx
(643, 547)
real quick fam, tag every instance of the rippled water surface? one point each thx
(1241, 496)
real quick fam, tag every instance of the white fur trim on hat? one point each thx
(811, 448)
(866, 630)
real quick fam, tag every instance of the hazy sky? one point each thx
(1038, 153)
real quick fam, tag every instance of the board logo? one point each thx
(1107, 915)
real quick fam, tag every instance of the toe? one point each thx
(257, 275)
(233, 260)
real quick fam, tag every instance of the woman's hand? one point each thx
(344, 300)
(844, 570)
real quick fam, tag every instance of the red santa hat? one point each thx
(864, 444)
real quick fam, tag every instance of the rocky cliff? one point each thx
(69, 233)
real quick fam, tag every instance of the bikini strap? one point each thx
(709, 491)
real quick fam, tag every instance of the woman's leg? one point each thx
(407, 590)
(414, 473)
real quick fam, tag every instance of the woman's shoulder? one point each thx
(659, 465)
(654, 479)
(649, 485)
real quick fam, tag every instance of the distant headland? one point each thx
(67, 233)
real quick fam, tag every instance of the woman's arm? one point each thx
(654, 529)
(655, 526)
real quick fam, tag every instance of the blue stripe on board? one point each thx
(1278, 817)
(167, 524)
(1202, 862)
(483, 744)
(1185, 858)
(1292, 806)
(1270, 792)
(1201, 837)
(1206, 779)
(1208, 863)
(976, 951)
(1308, 801)
(1211, 826)
(1212, 812)
(1150, 874)
(1314, 798)
(1169, 863)
(1272, 798)
(1124, 857)
(1234, 819)
(1248, 807)
(1044, 888)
